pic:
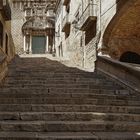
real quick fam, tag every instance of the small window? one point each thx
(77, 16)
(90, 33)
(6, 44)
(1, 34)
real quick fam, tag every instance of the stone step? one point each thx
(44, 71)
(68, 116)
(54, 79)
(57, 82)
(57, 75)
(62, 100)
(60, 83)
(52, 72)
(63, 86)
(47, 77)
(46, 100)
(69, 108)
(69, 136)
(69, 126)
(62, 90)
(97, 95)
(48, 136)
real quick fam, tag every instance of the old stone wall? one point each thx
(116, 32)
(74, 47)
(7, 31)
(7, 50)
(124, 35)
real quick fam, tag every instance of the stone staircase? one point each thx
(46, 100)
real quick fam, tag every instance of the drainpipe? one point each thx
(98, 42)
(83, 63)
(98, 45)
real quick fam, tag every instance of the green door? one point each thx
(38, 45)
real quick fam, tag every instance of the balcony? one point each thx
(50, 14)
(88, 17)
(66, 24)
(5, 9)
(66, 2)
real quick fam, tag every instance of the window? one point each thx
(1, 34)
(77, 16)
(6, 44)
(90, 33)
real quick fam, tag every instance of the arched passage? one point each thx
(123, 33)
(130, 57)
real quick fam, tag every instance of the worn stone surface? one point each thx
(44, 99)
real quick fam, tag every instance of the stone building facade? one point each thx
(33, 26)
(7, 50)
(87, 28)
(75, 32)
(6, 40)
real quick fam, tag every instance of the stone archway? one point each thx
(38, 35)
(123, 33)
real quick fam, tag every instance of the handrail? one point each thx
(2, 58)
(123, 72)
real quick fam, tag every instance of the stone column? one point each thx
(53, 49)
(24, 48)
(47, 44)
(30, 47)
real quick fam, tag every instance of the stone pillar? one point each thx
(50, 44)
(53, 49)
(24, 49)
(30, 47)
(47, 44)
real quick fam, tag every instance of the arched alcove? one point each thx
(130, 57)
